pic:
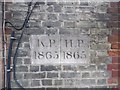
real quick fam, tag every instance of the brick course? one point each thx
(115, 4)
(114, 53)
(116, 60)
(116, 32)
(113, 66)
(115, 46)
(114, 39)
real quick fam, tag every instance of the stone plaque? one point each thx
(59, 49)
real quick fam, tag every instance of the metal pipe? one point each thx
(9, 60)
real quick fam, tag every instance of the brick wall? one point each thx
(94, 19)
(114, 39)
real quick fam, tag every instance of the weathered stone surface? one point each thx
(59, 49)
(19, 76)
(69, 67)
(85, 75)
(69, 9)
(35, 83)
(88, 81)
(27, 61)
(51, 2)
(51, 31)
(50, 68)
(46, 82)
(102, 67)
(58, 82)
(19, 61)
(13, 84)
(27, 45)
(50, 9)
(34, 75)
(35, 31)
(52, 16)
(100, 74)
(22, 69)
(57, 8)
(70, 75)
(22, 53)
(87, 68)
(51, 24)
(34, 68)
(25, 83)
(69, 17)
(101, 81)
(68, 82)
(52, 75)
(69, 24)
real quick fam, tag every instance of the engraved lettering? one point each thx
(56, 55)
(76, 55)
(67, 42)
(71, 43)
(59, 49)
(80, 42)
(48, 55)
(40, 43)
(35, 54)
(68, 55)
(52, 42)
(83, 54)
(40, 55)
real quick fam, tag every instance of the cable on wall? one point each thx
(29, 12)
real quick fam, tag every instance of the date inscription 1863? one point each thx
(59, 49)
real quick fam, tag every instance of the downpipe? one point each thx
(9, 68)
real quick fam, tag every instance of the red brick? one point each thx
(115, 88)
(114, 53)
(8, 31)
(113, 24)
(113, 81)
(115, 18)
(113, 10)
(115, 4)
(114, 39)
(115, 46)
(116, 32)
(115, 73)
(113, 67)
(115, 59)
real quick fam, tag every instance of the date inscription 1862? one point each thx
(58, 49)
